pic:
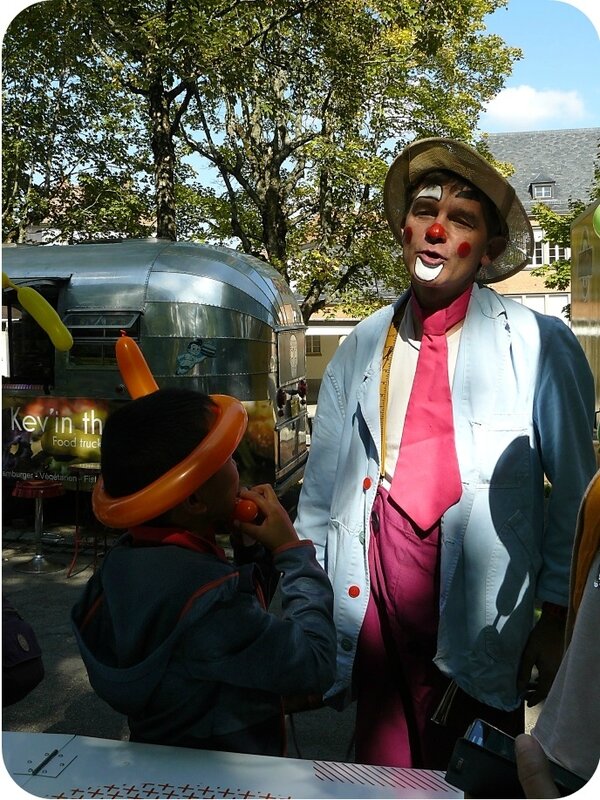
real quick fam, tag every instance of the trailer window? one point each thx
(30, 352)
(95, 333)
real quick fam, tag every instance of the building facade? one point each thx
(550, 167)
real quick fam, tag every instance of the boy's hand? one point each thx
(276, 528)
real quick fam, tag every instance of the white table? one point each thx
(66, 766)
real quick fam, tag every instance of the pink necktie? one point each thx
(426, 481)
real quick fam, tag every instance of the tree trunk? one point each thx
(164, 161)
(275, 228)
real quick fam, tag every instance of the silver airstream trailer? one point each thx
(205, 318)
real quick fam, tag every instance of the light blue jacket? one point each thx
(523, 399)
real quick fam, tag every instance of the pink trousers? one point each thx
(397, 694)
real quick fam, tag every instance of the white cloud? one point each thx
(526, 108)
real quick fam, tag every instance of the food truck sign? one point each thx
(45, 436)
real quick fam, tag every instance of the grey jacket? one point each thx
(179, 642)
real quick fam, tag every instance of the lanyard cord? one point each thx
(386, 365)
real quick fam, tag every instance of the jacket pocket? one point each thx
(501, 451)
(342, 544)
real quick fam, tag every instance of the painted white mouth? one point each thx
(425, 273)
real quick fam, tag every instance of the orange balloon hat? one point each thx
(184, 478)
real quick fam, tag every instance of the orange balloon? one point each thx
(134, 369)
(184, 478)
(181, 480)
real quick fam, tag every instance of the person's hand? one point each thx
(533, 768)
(544, 650)
(275, 528)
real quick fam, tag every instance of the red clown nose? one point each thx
(436, 231)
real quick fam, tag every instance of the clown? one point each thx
(440, 422)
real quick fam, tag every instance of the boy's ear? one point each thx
(195, 503)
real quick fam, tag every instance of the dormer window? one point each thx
(542, 187)
(543, 191)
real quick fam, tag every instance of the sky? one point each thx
(557, 82)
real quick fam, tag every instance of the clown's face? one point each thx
(445, 240)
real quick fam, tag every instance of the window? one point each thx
(95, 333)
(313, 345)
(31, 353)
(556, 253)
(547, 253)
(550, 304)
(542, 191)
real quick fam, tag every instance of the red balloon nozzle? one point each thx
(245, 510)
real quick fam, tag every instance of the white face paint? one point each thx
(425, 273)
(433, 191)
(422, 271)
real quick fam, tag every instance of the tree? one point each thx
(302, 140)
(296, 107)
(148, 57)
(64, 125)
(557, 229)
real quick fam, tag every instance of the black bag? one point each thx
(22, 665)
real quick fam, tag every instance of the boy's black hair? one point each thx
(146, 437)
(494, 223)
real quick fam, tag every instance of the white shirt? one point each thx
(402, 374)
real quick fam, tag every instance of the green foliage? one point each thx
(356, 304)
(302, 132)
(557, 230)
(556, 275)
(266, 125)
(65, 122)
(98, 208)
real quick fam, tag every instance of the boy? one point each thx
(171, 633)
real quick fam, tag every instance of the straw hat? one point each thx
(425, 155)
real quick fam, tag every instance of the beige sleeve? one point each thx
(568, 726)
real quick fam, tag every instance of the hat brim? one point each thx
(426, 155)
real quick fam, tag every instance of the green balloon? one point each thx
(596, 221)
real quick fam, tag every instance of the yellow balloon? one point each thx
(45, 316)
(7, 283)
